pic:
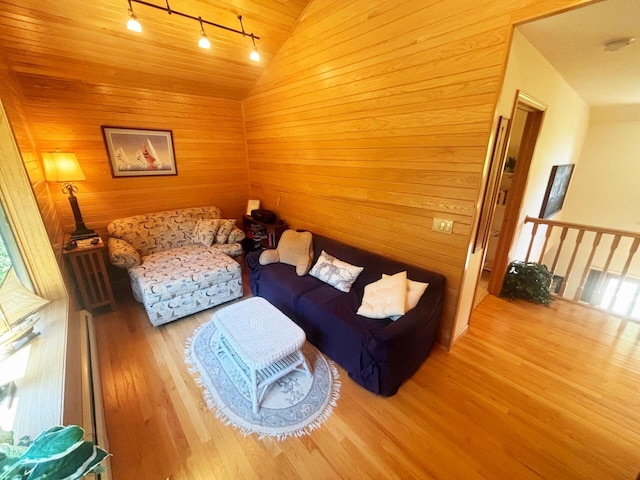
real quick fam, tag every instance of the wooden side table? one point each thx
(90, 273)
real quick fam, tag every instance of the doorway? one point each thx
(510, 185)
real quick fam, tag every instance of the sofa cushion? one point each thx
(170, 273)
(335, 272)
(205, 231)
(153, 232)
(385, 298)
(280, 284)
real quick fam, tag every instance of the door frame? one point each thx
(513, 207)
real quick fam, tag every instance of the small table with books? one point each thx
(261, 234)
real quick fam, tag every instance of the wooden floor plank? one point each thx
(530, 392)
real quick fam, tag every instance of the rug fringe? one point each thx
(209, 399)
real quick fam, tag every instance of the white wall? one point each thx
(605, 188)
(563, 130)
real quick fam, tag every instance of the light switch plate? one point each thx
(442, 225)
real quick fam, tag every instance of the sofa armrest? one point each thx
(236, 235)
(122, 254)
(398, 349)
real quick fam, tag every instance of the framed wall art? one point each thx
(252, 205)
(492, 184)
(136, 152)
(556, 190)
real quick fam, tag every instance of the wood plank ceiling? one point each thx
(88, 41)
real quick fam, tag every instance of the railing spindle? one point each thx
(625, 269)
(595, 299)
(587, 268)
(533, 237)
(567, 275)
(563, 236)
(546, 242)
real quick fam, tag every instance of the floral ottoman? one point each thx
(183, 281)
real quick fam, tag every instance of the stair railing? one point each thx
(584, 260)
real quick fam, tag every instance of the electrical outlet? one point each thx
(442, 225)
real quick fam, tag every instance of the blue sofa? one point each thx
(377, 354)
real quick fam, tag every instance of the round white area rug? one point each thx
(292, 406)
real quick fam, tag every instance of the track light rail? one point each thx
(201, 20)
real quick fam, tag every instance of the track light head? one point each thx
(204, 41)
(133, 24)
(255, 56)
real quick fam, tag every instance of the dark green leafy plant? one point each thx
(57, 453)
(529, 281)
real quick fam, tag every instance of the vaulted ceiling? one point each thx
(88, 41)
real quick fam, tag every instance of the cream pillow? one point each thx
(205, 231)
(294, 248)
(414, 294)
(385, 298)
(336, 273)
(224, 230)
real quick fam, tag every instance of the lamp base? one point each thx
(81, 232)
(82, 236)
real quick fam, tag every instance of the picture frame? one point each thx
(252, 205)
(137, 152)
(556, 190)
(491, 189)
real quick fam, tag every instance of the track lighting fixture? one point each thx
(204, 42)
(255, 56)
(133, 24)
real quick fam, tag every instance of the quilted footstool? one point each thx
(175, 284)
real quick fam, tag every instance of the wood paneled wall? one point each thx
(13, 102)
(375, 117)
(208, 141)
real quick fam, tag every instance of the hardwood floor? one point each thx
(530, 392)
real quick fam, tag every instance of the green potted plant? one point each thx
(528, 280)
(59, 453)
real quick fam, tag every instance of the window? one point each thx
(9, 252)
(620, 297)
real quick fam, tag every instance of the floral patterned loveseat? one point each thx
(179, 261)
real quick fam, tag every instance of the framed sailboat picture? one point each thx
(134, 152)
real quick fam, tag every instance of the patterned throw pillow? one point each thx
(336, 273)
(225, 229)
(205, 231)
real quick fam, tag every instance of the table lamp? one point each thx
(64, 168)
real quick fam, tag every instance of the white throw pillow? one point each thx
(205, 231)
(414, 293)
(385, 298)
(336, 273)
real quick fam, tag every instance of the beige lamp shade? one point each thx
(62, 167)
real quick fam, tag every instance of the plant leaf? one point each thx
(53, 443)
(73, 466)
